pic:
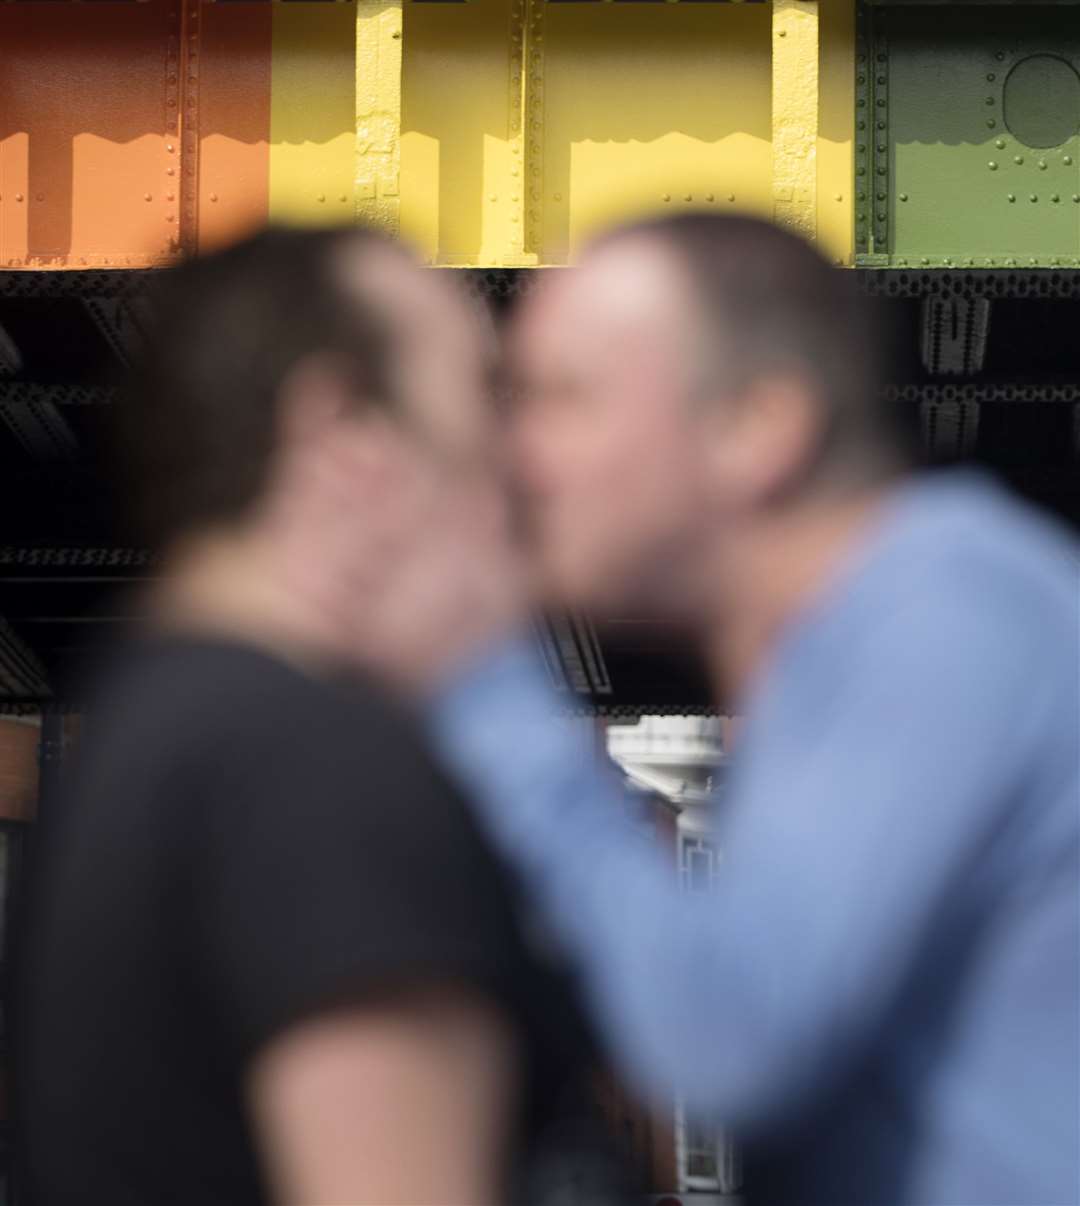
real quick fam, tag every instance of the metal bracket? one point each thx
(954, 334)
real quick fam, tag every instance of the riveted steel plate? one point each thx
(969, 136)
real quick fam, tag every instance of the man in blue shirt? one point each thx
(883, 995)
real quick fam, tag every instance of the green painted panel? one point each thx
(980, 162)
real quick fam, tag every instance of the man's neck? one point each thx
(773, 568)
(227, 586)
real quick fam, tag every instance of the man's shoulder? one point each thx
(976, 533)
(964, 557)
(188, 719)
(181, 685)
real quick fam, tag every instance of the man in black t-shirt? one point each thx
(267, 955)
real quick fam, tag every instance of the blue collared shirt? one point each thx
(884, 990)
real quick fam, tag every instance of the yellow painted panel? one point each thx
(455, 130)
(651, 107)
(836, 210)
(313, 113)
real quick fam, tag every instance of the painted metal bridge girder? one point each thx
(493, 132)
(503, 132)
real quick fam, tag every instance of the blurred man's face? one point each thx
(604, 436)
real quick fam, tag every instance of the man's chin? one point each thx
(558, 589)
(610, 596)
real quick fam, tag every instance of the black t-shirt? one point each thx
(236, 847)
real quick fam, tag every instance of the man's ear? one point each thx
(313, 397)
(760, 444)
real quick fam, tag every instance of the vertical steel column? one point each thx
(188, 71)
(525, 186)
(836, 131)
(378, 113)
(795, 114)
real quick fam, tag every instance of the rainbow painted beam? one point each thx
(493, 132)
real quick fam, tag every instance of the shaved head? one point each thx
(760, 302)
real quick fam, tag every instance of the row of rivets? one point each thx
(879, 137)
(709, 197)
(862, 119)
(926, 261)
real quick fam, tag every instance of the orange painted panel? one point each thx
(87, 118)
(234, 120)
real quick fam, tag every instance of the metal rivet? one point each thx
(991, 76)
(170, 171)
(990, 100)
(18, 196)
(1000, 144)
(903, 196)
(782, 33)
(1034, 197)
(147, 197)
(1067, 160)
(1012, 196)
(1042, 165)
(170, 196)
(991, 123)
(666, 197)
(731, 196)
(993, 166)
(1055, 198)
(1018, 159)
(839, 197)
(1000, 56)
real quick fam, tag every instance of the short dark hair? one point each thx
(195, 430)
(771, 304)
